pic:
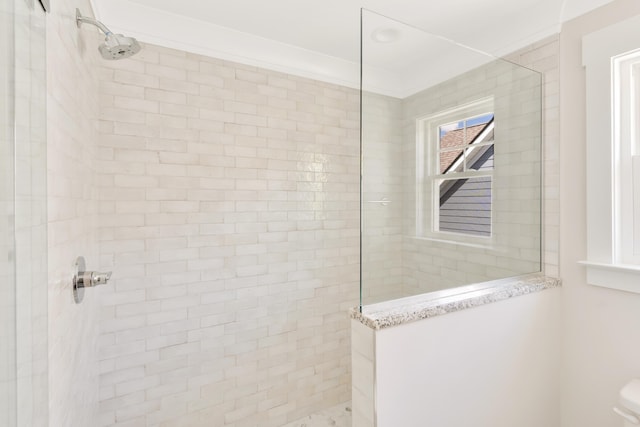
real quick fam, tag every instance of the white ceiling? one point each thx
(321, 38)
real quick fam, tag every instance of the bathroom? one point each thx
(216, 174)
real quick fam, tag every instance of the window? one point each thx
(625, 105)
(455, 172)
(612, 60)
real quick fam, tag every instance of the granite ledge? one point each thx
(380, 316)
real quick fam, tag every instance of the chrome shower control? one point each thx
(90, 279)
(86, 279)
(100, 278)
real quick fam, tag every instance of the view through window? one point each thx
(465, 161)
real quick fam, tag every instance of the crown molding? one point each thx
(155, 26)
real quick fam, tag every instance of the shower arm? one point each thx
(84, 20)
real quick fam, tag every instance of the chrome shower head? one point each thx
(115, 46)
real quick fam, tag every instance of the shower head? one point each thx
(115, 46)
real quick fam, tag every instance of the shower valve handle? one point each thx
(86, 279)
(90, 279)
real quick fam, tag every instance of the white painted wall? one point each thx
(601, 341)
(574, 8)
(491, 366)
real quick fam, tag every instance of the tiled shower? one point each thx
(225, 199)
(229, 213)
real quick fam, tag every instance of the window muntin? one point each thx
(461, 143)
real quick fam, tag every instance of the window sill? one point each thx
(622, 277)
(478, 242)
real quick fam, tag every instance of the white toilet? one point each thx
(629, 408)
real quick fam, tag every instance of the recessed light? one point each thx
(385, 35)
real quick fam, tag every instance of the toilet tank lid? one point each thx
(630, 396)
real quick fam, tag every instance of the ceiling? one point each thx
(321, 38)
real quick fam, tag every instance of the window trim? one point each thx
(428, 173)
(606, 265)
(623, 93)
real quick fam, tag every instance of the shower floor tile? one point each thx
(338, 416)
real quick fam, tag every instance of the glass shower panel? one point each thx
(451, 164)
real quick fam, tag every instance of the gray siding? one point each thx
(467, 209)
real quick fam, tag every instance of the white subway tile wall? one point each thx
(7, 231)
(72, 135)
(543, 56)
(336, 416)
(30, 192)
(364, 381)
(229, 213)
(382, 193)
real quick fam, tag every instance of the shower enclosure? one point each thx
(451, 164)
(23, 234)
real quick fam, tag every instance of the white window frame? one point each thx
(428, 172)
(610, 56)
